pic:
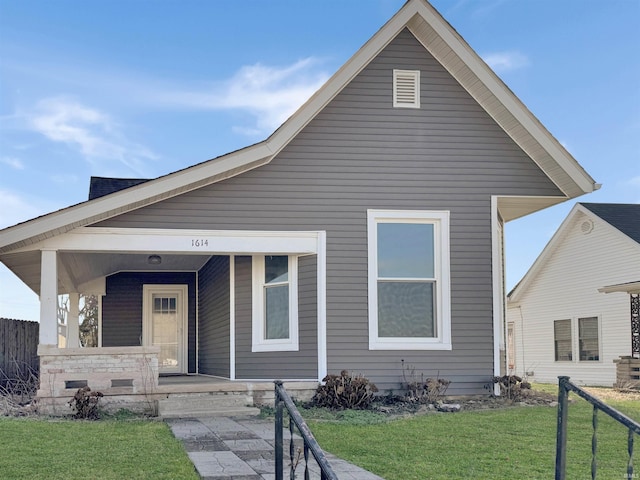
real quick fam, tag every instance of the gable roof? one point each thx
(623, 217)
(101, 186)
(439, 38)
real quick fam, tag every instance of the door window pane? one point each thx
(276, 312)
(165, 329)
(276, 269)
(562, 340)
(588, 339)
(406, 309)
(405, 250)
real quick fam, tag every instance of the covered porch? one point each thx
(180, 311)
(628, 366)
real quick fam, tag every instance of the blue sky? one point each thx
(141, 88)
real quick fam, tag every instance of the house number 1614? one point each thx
(199, 242)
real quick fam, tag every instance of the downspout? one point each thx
(232, 317)
(497, 266)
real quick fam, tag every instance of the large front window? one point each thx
(409, 280)
(275, 318)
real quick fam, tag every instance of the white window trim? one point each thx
(415, 77)
(576, 326)
(571, 330)
(259, 343)
(575, 340)
(183, 309)
(440, 221)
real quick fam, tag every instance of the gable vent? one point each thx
(406, 88)
(587, 227)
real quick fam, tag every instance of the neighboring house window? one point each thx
(409, 298)
(562, 340)
(588, 339)
(511, 346)
(275, 303)
(406, 88)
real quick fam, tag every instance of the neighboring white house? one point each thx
(559, 323)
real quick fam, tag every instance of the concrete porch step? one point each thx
(206, 404)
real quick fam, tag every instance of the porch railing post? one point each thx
(279, 424)
(561, 438)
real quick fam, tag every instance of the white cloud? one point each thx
(634, 181)
(16, 209)
(12, 162)
(64, 178)
(270, 94)
(89, 131)
(506, 61)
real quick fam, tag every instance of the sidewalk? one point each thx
(224, 448)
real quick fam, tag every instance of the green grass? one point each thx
(109, 449)
(507, 443)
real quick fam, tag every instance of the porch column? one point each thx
(49, 298)
(73, 319)
(634, 299)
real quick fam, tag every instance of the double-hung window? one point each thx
(588, 339)
(275, 303)
(586, 331)
(409, 297)
(563, 344)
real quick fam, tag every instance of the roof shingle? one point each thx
(101, 186)
(623, 216)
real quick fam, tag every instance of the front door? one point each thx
(165, 325)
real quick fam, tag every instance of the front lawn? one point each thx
(517, 442)
(109, 449)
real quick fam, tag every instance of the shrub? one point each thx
(423, 390)
(85, 402)
(344, 391)
(18, 390)
(513, 387)
(427, 391)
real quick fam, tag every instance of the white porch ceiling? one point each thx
(78, 268)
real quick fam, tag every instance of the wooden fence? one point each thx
(18, 348)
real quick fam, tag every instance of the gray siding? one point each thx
(302, 364)
(361, 153)
(213, 317)
(122, 308)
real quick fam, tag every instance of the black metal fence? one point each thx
(282, 401)
(564, 387)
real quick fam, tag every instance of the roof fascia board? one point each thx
(504, 95)
(146, 193)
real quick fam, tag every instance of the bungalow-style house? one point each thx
(364, 234)
(573, 312)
